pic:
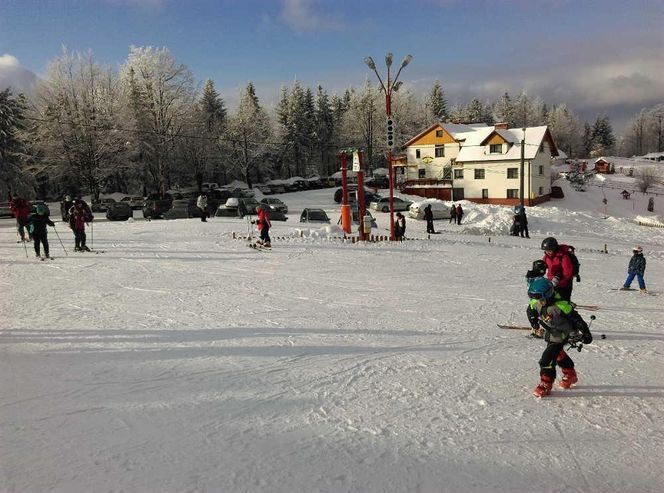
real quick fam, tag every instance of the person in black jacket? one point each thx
(37, 222)
(428, 217)
(400, 227)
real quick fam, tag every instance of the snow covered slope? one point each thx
(181, 360)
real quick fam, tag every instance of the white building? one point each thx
(479, 163)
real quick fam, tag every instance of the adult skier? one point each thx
(561, 325)
(36, 224)
(560, 269)
(428, 217)
(21, 209)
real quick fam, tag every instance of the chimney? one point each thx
(501, 126)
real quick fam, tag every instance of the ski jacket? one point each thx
(453, 211)
(37, 224)
(560, 270)
(428, 213)
(78, 216)
(201, 203)
(558, 318)
(19, 206)
(263, 220)
(637, 264)
(459, 211)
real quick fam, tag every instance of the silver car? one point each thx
(383, 204)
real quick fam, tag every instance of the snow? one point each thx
(181, 360)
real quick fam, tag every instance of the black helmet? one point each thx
(540, 267)
(550, 244)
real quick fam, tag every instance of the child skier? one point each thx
(264, 224)
(36, 224)
(561, 325)
(637, 267)
(79, 215)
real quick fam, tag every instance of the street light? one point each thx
(388, 88)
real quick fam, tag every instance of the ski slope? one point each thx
(181, 360)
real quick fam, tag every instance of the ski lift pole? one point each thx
(63, 245)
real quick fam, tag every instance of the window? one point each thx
(512, 193)
(541, 170)
(512, 173)
(439, 133)
(479, 174)
(447, 173)
(496, 149)
(541, 191)
(485, 193)
(422, 173)
(440, 151)
(458, 174)
(417, 153)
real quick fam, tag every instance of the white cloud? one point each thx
(14, 76)
(299, 15)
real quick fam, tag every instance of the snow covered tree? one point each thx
(364, 124)
(324, 133)
(78, 104)
(161, 98)
(603, 140)
(12, 143)
(436, 104)
(295, 116)
(587, 140)
(503, 111)
(564, 128)
(249, 133)
(524, 111)
(458, 114)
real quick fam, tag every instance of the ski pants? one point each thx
(265, 234)
(553, 355)
(565, 292)
(458, 219)
(43, 239)
(639, 278)
(524, 230)
(79, 238)
(204, 214)
(20, 226)
(430, 226)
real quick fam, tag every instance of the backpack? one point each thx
(575, 263)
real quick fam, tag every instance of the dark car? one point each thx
(101, 205)
(156, 205)
(135, 203)
(119, 211)
(275, 205)
(5, 210)
(314, 216)
(369, 196)
(237, 207)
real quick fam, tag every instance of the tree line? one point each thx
(147, 126)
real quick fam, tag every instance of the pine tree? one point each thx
(324, 132)
(437, 103)
(587, 140)
(503, 111)
(475, 112)
(602, 136)
(12, 145)
(213, 108)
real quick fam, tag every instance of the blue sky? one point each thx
(597, 55)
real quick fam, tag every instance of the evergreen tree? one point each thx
(437, 104)
(212, 108)
(602, 136)
(324, 132)
(587, 140)
(475, 112)
(564, 128)
(503, 111)
(524, 111)
(12, 145)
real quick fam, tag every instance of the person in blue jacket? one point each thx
(36, 223)
(636, 268)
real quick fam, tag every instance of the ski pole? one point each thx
(92, 234)
(63, 245)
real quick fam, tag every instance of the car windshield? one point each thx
(317, 216)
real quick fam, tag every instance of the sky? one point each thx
(599, 56)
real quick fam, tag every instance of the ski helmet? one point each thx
(638, 249)
(40, 209)
(540, 287)
(540, 266)
(550, 243)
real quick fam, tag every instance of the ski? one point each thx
(591, 308)
(624, 289)
(515, 327)
(254, 246)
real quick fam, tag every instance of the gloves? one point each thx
(587, 337)
(555, 281)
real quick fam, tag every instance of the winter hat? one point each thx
(638, 249)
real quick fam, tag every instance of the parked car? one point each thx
(383, 204)
(136, 203)
(101, 205)
(275, 205)
(5, 210)
(439, 210)
(183, 209)
(369, 196)
(314, 216)
(156, 205)
(237, 207)
(119, 211)
(206, 187)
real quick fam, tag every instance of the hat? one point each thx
(637, 249)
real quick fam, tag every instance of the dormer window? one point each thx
(439, 133)
(496, 149)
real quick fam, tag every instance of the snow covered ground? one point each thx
(181, 360)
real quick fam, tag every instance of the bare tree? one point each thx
(646, 177)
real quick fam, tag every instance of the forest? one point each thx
(149, 126)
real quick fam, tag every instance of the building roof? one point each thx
(474, 148)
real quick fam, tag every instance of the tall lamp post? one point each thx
(388, 87)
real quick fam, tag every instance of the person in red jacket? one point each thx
(560, 269)
(263, 223)
(79, 215)
(21, 210)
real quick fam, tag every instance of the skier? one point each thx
(400, 227)
(21, 209)
(636, 268)
(523, 221)
(201, 203)
(264, 224)
(428, 217)
(560, 267)
(561, 325)
(453, 214)
(538, 270)
(79, 215)
(36, 224)
(459, 214)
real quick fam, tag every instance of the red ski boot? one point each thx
(544, 387)
(569, 378)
